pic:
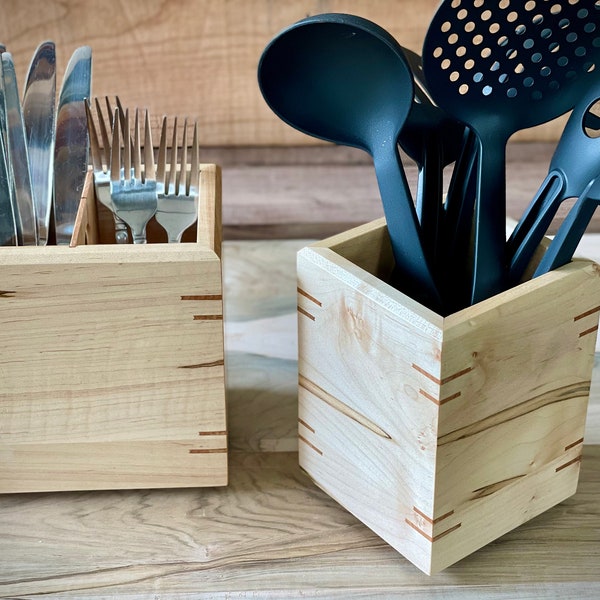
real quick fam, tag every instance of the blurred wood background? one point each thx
(196, 58)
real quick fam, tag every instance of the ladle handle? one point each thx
(533, 224)
(413, 273)
(489, 268)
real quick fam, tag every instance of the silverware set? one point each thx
(43, 148)
(131, 184)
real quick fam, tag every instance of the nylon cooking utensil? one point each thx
(433, 140)
(575, 163)
(565, 242)
(500, 67)
(345, 80)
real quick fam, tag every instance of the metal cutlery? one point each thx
(178, 187)
(16, 148)
(71, 145)
(8, 230)
(100, 158)
(133, 190)
(39, 116)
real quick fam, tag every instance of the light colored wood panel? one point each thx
(113, 361)
(194, 57)
(272, 534)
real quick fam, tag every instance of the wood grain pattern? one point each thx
(113, 362)
(268, 195)
(378, 431)
(272, 533)
(195, 58)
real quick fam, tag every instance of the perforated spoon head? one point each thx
(511, 64)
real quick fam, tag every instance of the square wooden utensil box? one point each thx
(440, 434)
(112, 364)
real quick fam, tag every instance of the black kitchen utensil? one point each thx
(433, 140)
(575, 163)
(346, 80)
(501, 66)
(565, 242)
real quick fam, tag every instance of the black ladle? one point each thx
(344, 79)
(500, 67)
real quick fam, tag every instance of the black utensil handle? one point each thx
(413, 271)
(458, 227)
(567, 238)
(489, 266)
(429, 201)
(534, 223)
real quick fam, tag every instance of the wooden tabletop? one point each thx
(272, 533)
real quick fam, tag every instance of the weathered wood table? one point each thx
(271, 533)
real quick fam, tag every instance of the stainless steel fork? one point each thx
(178, 188)
(100, 157)
(132, 190)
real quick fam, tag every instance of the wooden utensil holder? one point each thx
(112, 357)
(440, 434)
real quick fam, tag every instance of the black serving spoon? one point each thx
(344, 79)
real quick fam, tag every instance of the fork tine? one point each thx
(195, 170)
(182, 173)
(95, 152)
(148, 149)
(170, 176)
(126, 147)
(115, 150)
(161, 166)
(137, 150)
(103, 132)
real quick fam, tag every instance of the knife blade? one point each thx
(71, 143)
(8, 231)
(16, 148)
(39, 105)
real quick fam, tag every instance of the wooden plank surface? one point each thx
(316, 192)
(272, 533)
(195, 57)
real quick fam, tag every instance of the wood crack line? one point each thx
(338, 405)
(563, 394)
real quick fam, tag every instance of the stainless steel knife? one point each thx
(71, 144)
(16, 148)
(8, 231)
(39, 112)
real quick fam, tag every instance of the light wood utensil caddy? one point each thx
(112, 361)
(440, 434)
